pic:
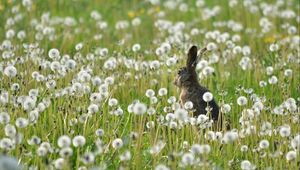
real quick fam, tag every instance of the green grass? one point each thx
(56, 119)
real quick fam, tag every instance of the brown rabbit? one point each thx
(191, 90)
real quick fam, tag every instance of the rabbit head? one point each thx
(187, 75)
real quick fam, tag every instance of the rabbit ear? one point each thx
(192, 58)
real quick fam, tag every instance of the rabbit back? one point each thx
(194, 94)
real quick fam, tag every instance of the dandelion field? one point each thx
(90, 84)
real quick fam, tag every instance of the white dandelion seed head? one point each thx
(10, 71)
(242, 100)
(78, 141)
(139, 108)
(207, 97)
(291, 155)
(181, 114)
(162, 92)
(188, 105)
(64, 141)
(117, 143)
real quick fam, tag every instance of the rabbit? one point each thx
(191, 90)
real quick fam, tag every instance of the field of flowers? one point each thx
(89, 84)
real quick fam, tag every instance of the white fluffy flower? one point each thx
(242, 100)
(10, 71)
(181, 114)
(207, 97)
(117, 143)
(139, 108)
(78, 141)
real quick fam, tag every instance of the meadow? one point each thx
(89, 84)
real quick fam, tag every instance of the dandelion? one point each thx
(6, 144)
(66, 152)
(244, 148)
(64, 141)
(188, 105)
(139, 108)
(291, 155)
(162, 92)
(10, 71)
(207, 97)
(162, 167)
(4, 118)
(88, 158)
(269, 70)
(274, 47)
(242, 100)
(246, 165)
(99, 132)
(78, 141)
(230, 137)
(41, 151)
(150, 93)
(54, 54)
(59, 163)
(151, 111)
(112, 102)
(226, 108)
(285, 131)
(126, 156)
(295, 143)
(187, 159)
(264, 144)
(288, 72)
(211, 46)
(117, 143)
(136, 47)
(181, 114)
(93, 108)
(21, 122)
(204, 149)
(10, 130)
(273, 80)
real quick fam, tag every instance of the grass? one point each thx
(67, 115)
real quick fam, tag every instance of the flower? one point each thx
(64, 141)
(162, 92)
(78, 141)
(88, 158)
(264, 144)
(136, 47)
(181, 114)
(162, 167)
(296, 142)
(112, 102)
(285, 131)
(207, 97)
(187, 159)
(66, 152)
(246, 165)
(226, 108)
(230, 136)
(99, 132)
(139, 108)
(10, 71)
(21, 122)
(273, 80)
(242, 100)
(291, 155)
(150, 93)
(188, 105)
(54, 54)
(117, 143)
